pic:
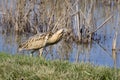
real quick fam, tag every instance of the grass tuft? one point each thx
(19, 67)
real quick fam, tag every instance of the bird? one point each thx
(42, 40)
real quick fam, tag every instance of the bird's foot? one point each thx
(31, 55)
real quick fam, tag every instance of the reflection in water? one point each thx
(114, 57)
(83, 52)
(8, 43)
(60, 51)
(64, 50)
(99, 53)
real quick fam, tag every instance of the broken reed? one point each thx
(50, 15)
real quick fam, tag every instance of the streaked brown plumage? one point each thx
(39, 41)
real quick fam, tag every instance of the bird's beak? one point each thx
(60, 31)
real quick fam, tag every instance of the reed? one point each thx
(34, 16)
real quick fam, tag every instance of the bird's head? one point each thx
(62, 31)
(57, 35)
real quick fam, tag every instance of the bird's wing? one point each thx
(34, 42)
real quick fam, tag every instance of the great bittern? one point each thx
(39, 41)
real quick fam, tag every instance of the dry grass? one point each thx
(34, 16)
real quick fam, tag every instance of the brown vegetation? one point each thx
(34, 16)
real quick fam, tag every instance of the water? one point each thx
(99, 52)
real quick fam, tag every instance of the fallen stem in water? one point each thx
(102, 24)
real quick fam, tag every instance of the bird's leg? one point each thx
(31, 54)
(40, 52)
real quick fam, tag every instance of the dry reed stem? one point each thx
(75, 3)
(89, 15)
(73, 14)
(69, 5)
(102, 24)
(51, 18)
(114, 41)
(61, 19)
(45, 20)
